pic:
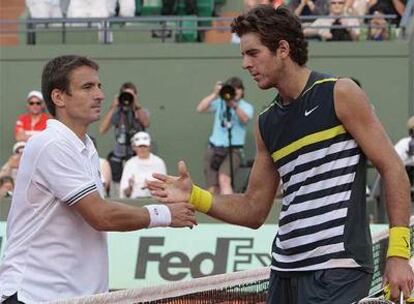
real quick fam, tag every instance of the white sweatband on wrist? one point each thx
(160, 215)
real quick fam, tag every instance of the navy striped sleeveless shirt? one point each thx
(323, 222)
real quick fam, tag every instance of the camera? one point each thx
(125, 99)
(227, 92)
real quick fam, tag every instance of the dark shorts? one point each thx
(338, 285)
(211, 174)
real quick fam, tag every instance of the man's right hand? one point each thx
(172, 189)
(217, 88)
(182, 215)
(115, 102)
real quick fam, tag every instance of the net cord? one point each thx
(177, 289)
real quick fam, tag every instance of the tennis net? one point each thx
(242, 287)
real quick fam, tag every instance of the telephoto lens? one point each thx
(125, 99)
(227, 92)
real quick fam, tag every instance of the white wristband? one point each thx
(160, 215)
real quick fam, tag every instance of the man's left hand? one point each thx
(232, 104)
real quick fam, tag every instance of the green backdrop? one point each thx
(172, 78)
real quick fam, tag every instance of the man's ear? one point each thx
(283, 49)
(57, 98)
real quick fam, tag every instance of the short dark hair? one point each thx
(272, 26)
(56, 75)
(128, 85)
(235, 82)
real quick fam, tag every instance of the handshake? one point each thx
(182, 199)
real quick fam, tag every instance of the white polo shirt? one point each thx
(402, 147)
(140, 170)
(51, 251)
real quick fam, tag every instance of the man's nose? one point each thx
(246, 63)
(100, 94)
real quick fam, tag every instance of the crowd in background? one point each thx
(128, 166)
(342, 20)
(329, 20)
(131, 163)
(27, 124)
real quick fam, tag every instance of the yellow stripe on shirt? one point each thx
(307, 140)
(319, 82)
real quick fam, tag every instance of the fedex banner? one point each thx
(163, 255)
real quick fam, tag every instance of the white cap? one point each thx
(18, 145)
(34, 93)
(141, 139)
(410, 123)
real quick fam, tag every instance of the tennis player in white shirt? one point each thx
(56, 242)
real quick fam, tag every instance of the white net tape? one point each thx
(153, 293)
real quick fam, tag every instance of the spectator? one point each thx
(34, 120)
(44, 8)
(169, 7)
(87, 8)
(388, 7)
(405, 150)
(249, 4)
(91, 9)
(405, 146)
(357, 7)
(125, 8)
(378, 29)
(216, 160)
(309, 7)
(6, 186)
(128, 117)
(140, 168)
(105, 170)
(11, 167)
(330, 29)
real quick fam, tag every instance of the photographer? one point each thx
(128, 117)
(231, 116)
(405, 146)
(405, 149)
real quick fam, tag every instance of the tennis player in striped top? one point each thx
(315, 137)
